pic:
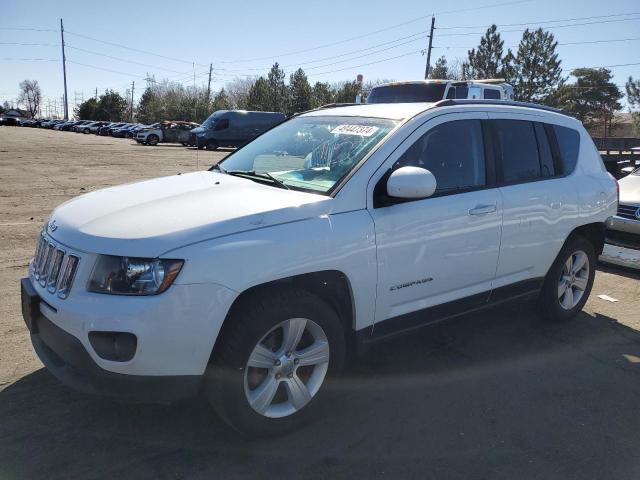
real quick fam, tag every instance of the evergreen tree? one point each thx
(258, 98)
(277, 97)
(593, 99)
(440, 70)
(87, 110)
(300, 92)
(221, 101)
(633, 98)
(112, 107)
(149, 107)
(487, 60)
(535, 70)
(346, 92)
(321, 94)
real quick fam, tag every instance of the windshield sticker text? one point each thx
(360, 130)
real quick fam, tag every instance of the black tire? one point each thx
(244, 328)
(153, 139)
(212, 145)
(550, 300)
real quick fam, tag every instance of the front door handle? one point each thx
(482, 210)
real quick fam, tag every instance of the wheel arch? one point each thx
(332, 286)
(594, 232)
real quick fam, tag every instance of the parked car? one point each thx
(166, 132)
(79, 125)
(435, 90)
(255, 279)
(94, 127)
(623, 229)
(233, 128)
(106, 129)
(127, 131)
(10, 122)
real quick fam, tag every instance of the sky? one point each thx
(111, 44)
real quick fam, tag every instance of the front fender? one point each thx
(344, 242)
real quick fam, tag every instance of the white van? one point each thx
(435, 90)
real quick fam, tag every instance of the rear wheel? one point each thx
(153, 139)
(273, 360)
(569, 281)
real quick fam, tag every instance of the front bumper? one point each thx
(623, 232)
(68, 360)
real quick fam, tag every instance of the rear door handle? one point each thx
(482, 210)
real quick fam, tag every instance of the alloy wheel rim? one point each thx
(573, 280)
(286, 368)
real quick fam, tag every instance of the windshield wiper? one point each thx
(254, 174)
(217, 166)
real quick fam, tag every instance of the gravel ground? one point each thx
(497, 395)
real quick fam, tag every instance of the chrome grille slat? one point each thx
(53, 268)
(627, 211)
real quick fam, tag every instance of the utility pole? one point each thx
(133, 85)
(209, 85)
(96, 94)
(64, 73)
(428, 67)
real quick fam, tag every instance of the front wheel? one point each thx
(212, 145)
(153, 139)
(569, 281)
(273, 360)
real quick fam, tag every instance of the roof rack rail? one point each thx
(335, 105)
(507, 103)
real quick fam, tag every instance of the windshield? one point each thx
(210, 122)
(311, 153)
(407, 93)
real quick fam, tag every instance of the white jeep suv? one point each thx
(338, 228)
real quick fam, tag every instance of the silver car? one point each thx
(623, 229)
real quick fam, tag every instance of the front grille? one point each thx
(53, 268)
(627, 211)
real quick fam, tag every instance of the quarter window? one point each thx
(569, 145)
(518, 150)
(453, 152)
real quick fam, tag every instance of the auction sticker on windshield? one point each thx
(360, 130)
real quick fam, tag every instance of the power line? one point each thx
(585, 42)
(28, 60)
(540, 22)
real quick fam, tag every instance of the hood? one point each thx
(147, 219)
(630, 189)
(198, 130)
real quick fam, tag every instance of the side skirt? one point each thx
(408, 323)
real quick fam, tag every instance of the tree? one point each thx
(30, 96)
(258, 98)
(87, 110)
(633, 98)
(346, 92)
(277, 96)
(440, 70)
(300, 92)
(535, 70)
(593, 99)
(486, 61)
(148, 107)
(238, 91)
(321, 94)
(221, 101)
(112, 107)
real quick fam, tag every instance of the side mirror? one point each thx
(411, 183)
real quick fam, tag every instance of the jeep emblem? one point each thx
(52, 226)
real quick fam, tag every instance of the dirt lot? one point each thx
(495, 395)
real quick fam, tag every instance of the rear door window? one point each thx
(517, 151)
(544, 150)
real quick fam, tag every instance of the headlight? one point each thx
(133, 276)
